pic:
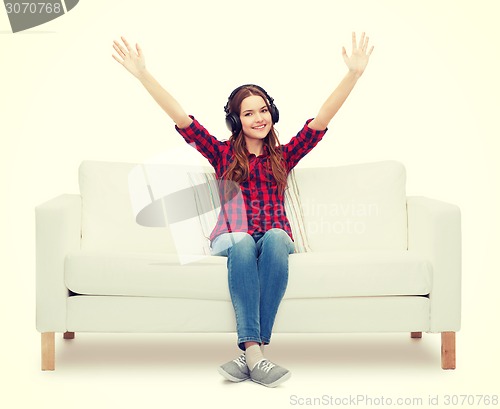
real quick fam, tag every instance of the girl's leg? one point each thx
(274, 248)
(245, 289)
(243, 278)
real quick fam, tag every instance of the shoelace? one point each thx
(265, 365)
(241, 361)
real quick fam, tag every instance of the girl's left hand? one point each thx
(358, 60)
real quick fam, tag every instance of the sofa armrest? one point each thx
(58, 231)
(434, 231)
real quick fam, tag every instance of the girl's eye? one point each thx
(264, 110)
(248, 114)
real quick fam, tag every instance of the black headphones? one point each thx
(233, 121)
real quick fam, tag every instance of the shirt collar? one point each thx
(265, 152)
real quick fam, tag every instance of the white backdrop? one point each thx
(429, 98)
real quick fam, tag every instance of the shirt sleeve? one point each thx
(198, 137)
(301, 144)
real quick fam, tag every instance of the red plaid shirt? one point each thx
(259, 207)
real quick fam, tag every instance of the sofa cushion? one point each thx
(108, 215)
(358, 274)
(311, 275)
(355, 207)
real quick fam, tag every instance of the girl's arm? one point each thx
(356, 64)
(135, 64)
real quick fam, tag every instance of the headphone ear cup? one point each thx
(275, 113)
(233, 123)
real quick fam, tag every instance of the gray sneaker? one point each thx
(268, 374)
(235, 370)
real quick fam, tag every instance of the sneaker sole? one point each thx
(230, 377)
(277, 382)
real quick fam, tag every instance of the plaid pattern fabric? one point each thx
(258, 206)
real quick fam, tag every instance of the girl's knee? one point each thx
(226, 241)
(279, 237)
(242, 242)
(244, 239)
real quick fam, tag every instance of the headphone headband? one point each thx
(269, 98)
(233, 121)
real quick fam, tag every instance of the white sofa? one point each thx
(369, 258)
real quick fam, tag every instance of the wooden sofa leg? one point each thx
(416, 335)
(48, 351)
(69, 335)
(448, 356)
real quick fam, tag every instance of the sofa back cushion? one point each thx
(154, 208)
(355, 207)
(108, 215)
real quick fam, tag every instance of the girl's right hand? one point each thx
(133, 61)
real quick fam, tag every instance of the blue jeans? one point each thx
(258, 275)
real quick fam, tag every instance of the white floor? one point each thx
(179, 371)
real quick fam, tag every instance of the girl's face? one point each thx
(255, 117)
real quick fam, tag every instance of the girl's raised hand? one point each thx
(358, 60)
(133, 61)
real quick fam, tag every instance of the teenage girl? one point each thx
(252, 230)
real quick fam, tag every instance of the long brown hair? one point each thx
(238, 169)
